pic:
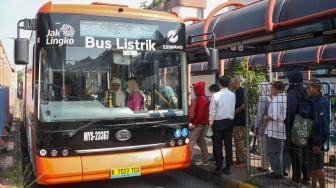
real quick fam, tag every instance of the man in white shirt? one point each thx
(221, 115)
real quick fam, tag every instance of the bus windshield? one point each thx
(77, 83)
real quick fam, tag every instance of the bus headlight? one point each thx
(53, 153)
(65, 152)
(180, 142)
(43, 152)
(172, 143)
(187, 140)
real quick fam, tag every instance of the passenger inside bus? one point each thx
(135, 99)
(168, 97)
(68, 93)
(118, 95)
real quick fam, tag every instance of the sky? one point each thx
(11, 11)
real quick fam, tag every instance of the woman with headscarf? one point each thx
(135, 98)
(118, 94)
(169, 98)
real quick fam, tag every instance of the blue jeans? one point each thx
(275, 154)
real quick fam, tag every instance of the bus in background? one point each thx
(94, 106)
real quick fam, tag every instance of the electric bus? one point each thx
(83, 63)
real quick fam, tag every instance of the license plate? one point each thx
(125, 172)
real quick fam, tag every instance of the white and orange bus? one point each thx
(78, 128)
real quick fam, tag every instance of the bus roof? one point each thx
(102, 9)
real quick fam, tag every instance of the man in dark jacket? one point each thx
(199, 121)
(295, 95)
(320, 134)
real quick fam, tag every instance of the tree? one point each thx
(250, 79)
(152, 5)
(19, 77)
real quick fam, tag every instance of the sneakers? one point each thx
(212, 159)
(275, 176)
(226, 171)
(201, 163)
(292, 183)
(241, 165)
(305, 182)
(261, 169)
(216, 171)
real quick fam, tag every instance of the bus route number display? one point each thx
(125, 172)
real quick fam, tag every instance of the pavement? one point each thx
(236, 179)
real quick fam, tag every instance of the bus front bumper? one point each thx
(60, 170)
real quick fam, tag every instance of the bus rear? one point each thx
(107, 93)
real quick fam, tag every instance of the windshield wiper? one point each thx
(74, 132)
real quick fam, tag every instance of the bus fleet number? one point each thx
(96, 135)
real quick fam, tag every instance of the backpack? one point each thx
(303, 123)
(301, 130)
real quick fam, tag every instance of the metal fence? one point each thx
(258, 167)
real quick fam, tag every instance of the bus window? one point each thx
(91, 75)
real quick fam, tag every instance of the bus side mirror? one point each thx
(212, 56)
(21, 51)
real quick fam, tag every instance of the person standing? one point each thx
(275, 129)
(199, 121)
(259, 124)
(320, 134)
(221, 115)
(213, 89)
(239, 129)
(295, 95)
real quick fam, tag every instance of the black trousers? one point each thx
(299, 158)
(223, 130)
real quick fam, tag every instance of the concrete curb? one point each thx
(230, 182)
(221, 181)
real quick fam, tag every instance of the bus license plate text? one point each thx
(125, 172)
(96, 135)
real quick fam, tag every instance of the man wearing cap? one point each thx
(221, 115)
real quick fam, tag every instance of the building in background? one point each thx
(7, 75)
(188, 8)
